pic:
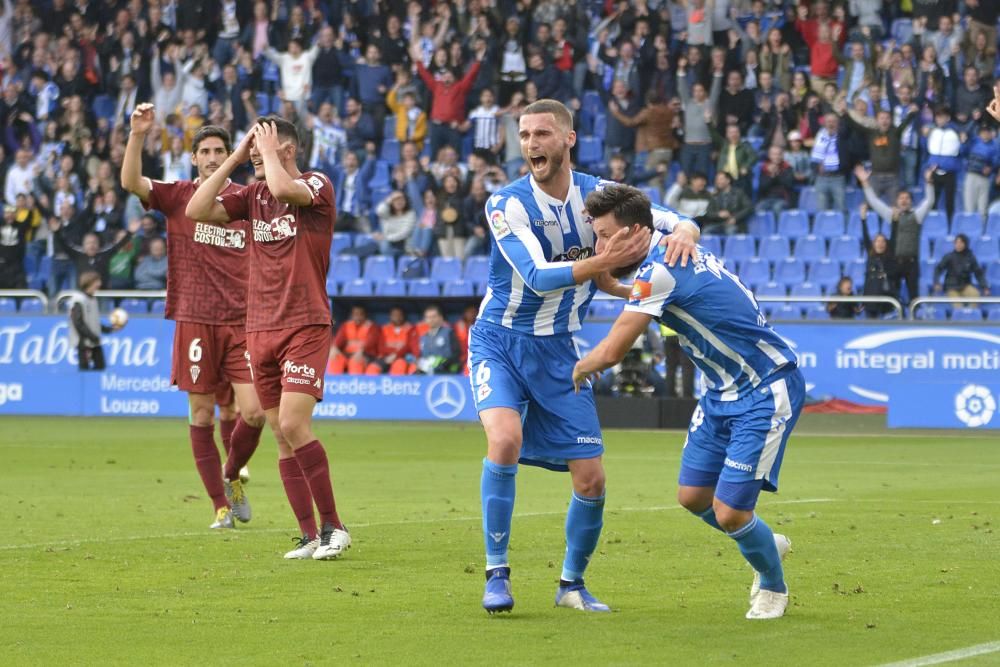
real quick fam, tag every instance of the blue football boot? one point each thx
(497, 597)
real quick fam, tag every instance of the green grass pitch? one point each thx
(105, 555)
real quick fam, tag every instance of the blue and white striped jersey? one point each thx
(717, 320)
(531, 287)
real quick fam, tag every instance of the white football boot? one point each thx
(333, 542)
(784, 546)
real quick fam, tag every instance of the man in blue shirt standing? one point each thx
(521, 351)
(754, 390)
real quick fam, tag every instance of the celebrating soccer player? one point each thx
(754, 393)
(521, 354)
(206, 296)
(288, 312)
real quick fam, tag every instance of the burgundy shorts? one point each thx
(224, 394)
(288, 360)
(207, 355)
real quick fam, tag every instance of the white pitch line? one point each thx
(523, 515)
(948, 656)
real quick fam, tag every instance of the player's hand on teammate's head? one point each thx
(681, 245)
(143, 118)
(627, 246)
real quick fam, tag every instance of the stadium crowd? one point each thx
(750, 116)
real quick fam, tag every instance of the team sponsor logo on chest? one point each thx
(545, 223)
(220, 237)
(276, 229)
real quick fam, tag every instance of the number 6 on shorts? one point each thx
(194, 351)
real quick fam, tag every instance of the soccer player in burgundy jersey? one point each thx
(288, 311)
(206, 297)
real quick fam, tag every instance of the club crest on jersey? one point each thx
(195, 372)
(498, 223)
(315, 184)
(573, 254)
(278, 229)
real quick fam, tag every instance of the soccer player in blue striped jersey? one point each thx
(753, 395)
(543, 274)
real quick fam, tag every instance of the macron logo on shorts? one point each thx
(736, 465)
(589, 440)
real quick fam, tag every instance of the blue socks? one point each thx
(497, 490)
(708, 516)
(583, 528)
(756, 543)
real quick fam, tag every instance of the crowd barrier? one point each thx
(927, 374)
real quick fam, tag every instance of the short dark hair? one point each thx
(286, 129)
(555, 107)
(208, 131)
(629, 205)
(436, 308)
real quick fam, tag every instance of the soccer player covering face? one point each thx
(288, 312)
(754, 389)
(206, 296)
(542, 277)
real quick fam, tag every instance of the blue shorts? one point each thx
(733, 443)
(534, 375)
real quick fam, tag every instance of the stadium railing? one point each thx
(896, 305)
(149, 295)
(950, 301)
(9, 296)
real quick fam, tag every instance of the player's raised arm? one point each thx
(285, 187)
(510, 227)
(142, 121)
(204, 205)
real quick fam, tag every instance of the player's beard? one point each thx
(624, 271)
(553, 165)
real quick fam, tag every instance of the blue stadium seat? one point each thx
(927, 247)
(926, 274)
(331, 286)
(104, 106)
(793, 223)
(363, 240)
(755, 271)
(653, 194)
(157, 307)
(607, 309)
(826, 273)
(992, 225)
(345, 267)
(993, 316)
(712, 244)
(901, 30)
(477, 268)
(844, 248)
(810, 248)
(931, 312)
(806, 289)
(817, 313)
(390, 152)
(389, 126)
(263, 104)
(855, 270)
(424, 287)
(969, 223)
(771, 289)
(935, 225)
(591, 102)
(986, 250)
(808, 201)
(390, 287)
(738, 248)
(787, 311)
(30, 263)
(411, 267)
(853, 198)
(381, 179)
(458, 287)
(967, 315)
(590, 150)
(32, 304)
(446, 268)
(789, 271)
(135, 306)
(600, 124)
(341, 242)
(829, 224)
(7, 305)
(356, 287)
(854, 224)
(380, 267)
(774, 248)
(762, 224)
